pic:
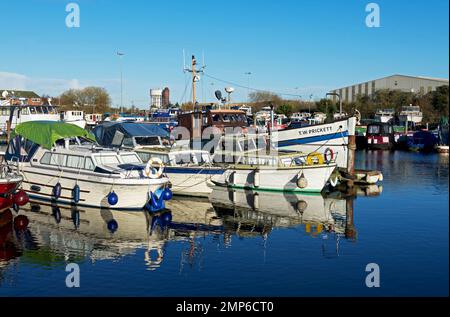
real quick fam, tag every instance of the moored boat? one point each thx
(187, 169)
(10, 182)
(74, 117)
(318, 138)
(380, 136)
(250, 165)
(61, 162)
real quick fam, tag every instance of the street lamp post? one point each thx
(248, 85)
(121, 85)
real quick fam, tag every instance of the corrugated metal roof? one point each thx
(443, 80)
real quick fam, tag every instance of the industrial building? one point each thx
(415, 84)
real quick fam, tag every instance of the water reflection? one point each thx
(50, 235)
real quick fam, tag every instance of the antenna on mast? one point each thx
(195, 77)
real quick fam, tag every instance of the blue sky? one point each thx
(313, 45)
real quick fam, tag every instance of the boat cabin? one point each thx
(131, 135)
(380, 136)
(197, 121)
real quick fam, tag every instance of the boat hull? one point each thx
(133, 194)
(317, 138)
(277, 179)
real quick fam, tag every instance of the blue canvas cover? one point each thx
(104, 133)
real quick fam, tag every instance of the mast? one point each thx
(195, 78)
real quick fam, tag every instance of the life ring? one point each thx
(150, 170)
(314, 158)
(328, 155)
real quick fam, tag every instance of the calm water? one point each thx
(239, 244)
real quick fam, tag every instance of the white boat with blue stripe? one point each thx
(318, 138)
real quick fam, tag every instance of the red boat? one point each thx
(10, 194)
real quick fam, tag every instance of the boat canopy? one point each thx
(46, 133)
(106, 132)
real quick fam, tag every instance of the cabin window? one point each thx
(373, 129)
(107, 160)
(58, 159)
(51, 110)
(32, 110)
(130, 158)
(227, 118)
(39, 110)
(147, 140)
(387, 129)
(128, 142)
(144, 156)
(164, 158)
(45, 110)
(46, 158)
(89, 164)
(74, 161)
(215, 118)
(200, 157)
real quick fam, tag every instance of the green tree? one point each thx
(89, 99)
(265, 96)
(285, 109)
(440, 100)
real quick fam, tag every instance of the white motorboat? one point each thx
(61, 162)
(410, 114)
(74, 117)
(187, 169)
(318, 138)
(384, 115)
(25, 113)
(250, 166)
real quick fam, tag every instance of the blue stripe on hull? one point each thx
(313, 139)
(195, 170)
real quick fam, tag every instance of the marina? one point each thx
(251, 157)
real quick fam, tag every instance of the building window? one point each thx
(353, 93)
(359, 89)
(373, 87)
(422, 89)
(430, 88)
(366, 89)
(346, 94)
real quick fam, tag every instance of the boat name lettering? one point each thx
(316, 130)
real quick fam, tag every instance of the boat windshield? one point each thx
(130, 158)
(107, 160)
(147, 140)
